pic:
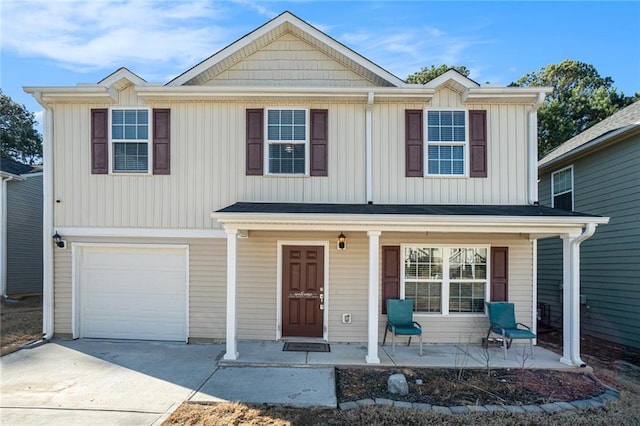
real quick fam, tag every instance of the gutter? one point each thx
(47, 219)
(532, 145)
(369, 149)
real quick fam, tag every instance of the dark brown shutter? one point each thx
(390, 274)
(499, 274)
(478, 143)
(319, 147)
(99, 141)
(255, 142)
(414, 151)
(161, 142)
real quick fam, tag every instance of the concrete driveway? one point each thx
(139, 383)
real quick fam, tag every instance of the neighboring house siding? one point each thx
(288, 61)
(606, 183)
(24, 236)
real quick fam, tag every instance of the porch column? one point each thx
(374, 267)
(232, 261)
(567, 329)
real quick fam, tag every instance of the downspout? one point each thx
(47, 220)
(368, 149)
(532, 144)
(575, 292)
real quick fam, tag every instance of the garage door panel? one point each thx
(133, 293)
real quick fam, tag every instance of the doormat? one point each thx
(306, 347)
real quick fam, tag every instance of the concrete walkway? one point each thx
(140, 383)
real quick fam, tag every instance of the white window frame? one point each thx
(306, 142)
(149, 142)
(464, 144)
(572, 190)
(446, 280)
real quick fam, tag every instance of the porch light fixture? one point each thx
(342, 242)
(59, 241)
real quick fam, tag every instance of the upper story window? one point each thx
(562, 189)
(287, 141)
(445, 279)
(130, 140)
(446, 142)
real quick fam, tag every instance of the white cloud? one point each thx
(406, 51)
(85, 35)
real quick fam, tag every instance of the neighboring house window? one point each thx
(130, 140)
(446, 142)
(562, 189)
(445, 279)
(287, 141)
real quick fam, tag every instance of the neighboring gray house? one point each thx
(21, 223)
(597, 171)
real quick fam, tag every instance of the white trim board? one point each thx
(141, 232)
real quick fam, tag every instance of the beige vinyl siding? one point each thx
(207, 168)
(506, 160)
(467, 328)
(288, 61)
(207, 283)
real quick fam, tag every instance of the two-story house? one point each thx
(285, 187)
(598, 171)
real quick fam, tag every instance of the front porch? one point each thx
(270, 354)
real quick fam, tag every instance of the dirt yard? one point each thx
(20, 322)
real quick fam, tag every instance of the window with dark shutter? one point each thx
(390, 274)
(100, 141)
(255, 142)
(478, 143)
(414, 154)
(499, 274)
(319, 142)
(161, 142)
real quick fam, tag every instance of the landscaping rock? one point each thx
(397, 384)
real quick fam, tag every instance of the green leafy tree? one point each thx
(428, 74)
(580, 99)
(19, 140)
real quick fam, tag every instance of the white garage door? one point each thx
(132, 292)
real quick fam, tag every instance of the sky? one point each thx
(66, 42)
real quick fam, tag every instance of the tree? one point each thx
(19, 140)
(580, 99)
(428, 74)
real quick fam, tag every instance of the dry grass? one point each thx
(20, 323)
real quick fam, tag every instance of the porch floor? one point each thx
(270, 354)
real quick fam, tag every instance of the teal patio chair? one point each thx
(400, 322)
(502, 320)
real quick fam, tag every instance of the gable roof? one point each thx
(623, 123)
(15, 168)
(121, 78)
(283, 23)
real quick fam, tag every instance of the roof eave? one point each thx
(82, 93)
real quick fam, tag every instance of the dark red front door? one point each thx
(302, 291)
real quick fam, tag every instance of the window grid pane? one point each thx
(130, 157)
(446, 126)
(287, 158)
(286, 125)
(445, 160)
(466, 297)
(130, 124)
(426, 295)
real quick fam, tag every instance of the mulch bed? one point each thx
(451, 387)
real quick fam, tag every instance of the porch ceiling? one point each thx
(536, 221)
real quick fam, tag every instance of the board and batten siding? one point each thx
(24, 235)
(207, 284)
(288, 61)
(606, 184)
(207, 168)
(506, 182)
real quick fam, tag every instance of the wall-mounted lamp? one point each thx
(59, 241)
(342, 242)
